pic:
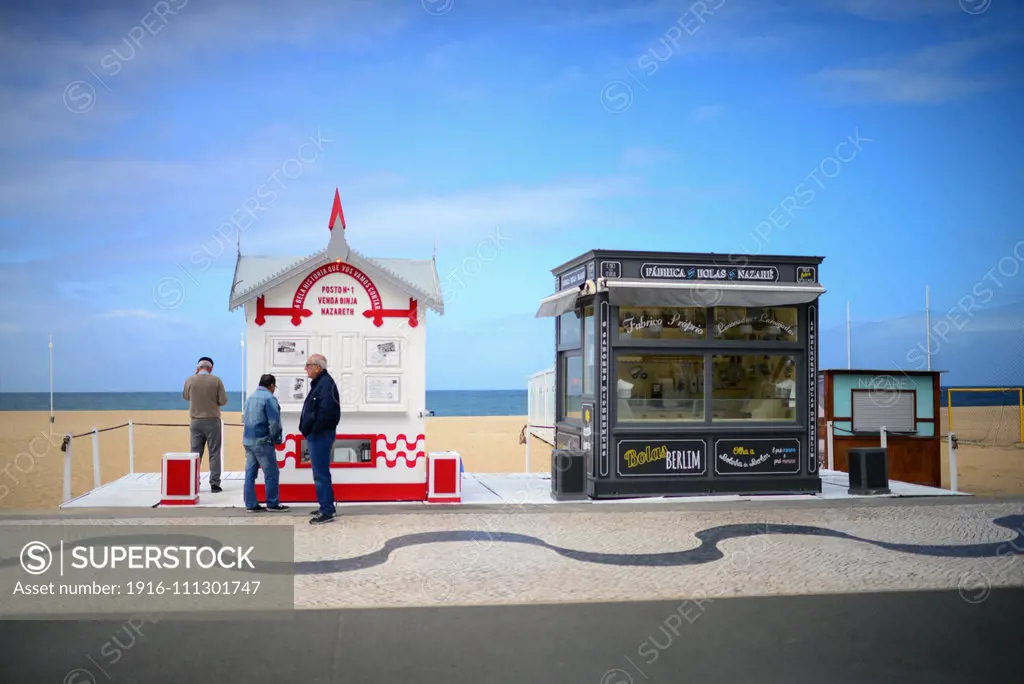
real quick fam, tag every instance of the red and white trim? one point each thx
(397, 471)
(406, 448)
(179, 479)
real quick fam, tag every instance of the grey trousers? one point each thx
(206, 432)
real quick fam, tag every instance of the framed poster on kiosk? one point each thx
(292, 389)
(383, 352)
(288, 352)
(382, 389)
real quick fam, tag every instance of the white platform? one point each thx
(142, 490)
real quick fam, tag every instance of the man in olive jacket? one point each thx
(205, 394)
(318, 423)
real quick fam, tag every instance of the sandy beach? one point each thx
(32, 466)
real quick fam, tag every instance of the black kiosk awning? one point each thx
(558, 303)
(701, 293)
(638, 292)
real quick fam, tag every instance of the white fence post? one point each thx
(830, 432)
(528, 440)
(530, 407)
(131, 447)
(95, 458)
(67, 469)
(953, 483)
(883, 437)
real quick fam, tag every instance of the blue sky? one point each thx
(463, 121)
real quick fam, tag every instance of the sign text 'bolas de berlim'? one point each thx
(698, 272)
(662, 457)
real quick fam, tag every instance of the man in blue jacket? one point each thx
(261, 421)
(321, 413)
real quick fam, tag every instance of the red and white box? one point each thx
(444, 477)
(179, 480)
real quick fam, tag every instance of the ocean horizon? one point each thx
(444, 403)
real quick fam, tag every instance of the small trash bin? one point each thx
(869, 470)
(567, 474)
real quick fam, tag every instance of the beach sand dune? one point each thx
(32, 464)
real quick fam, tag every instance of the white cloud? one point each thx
(707, 112)
(887, 10)
(567, 78)
(592, 14)
(389, 221)
(898, 85)
(646, 156)
(131, 313)
(11, 328)
(589, 14)
(934, 73)
(118, 56)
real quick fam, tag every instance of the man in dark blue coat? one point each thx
(321, 413)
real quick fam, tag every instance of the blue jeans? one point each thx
(256, 457)
(321, 448)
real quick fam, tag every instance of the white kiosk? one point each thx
(367, 317)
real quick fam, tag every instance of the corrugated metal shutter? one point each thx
(891, 408)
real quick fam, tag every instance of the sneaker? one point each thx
(278, 509)
(257, 509)
(216, 489)
(321, 519)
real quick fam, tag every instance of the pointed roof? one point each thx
(336, 213)
(255, 275)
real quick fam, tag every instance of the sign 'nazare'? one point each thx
(705, 272)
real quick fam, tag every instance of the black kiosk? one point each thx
(683, 373)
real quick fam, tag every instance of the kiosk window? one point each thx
(753, 387)
(569, 331)
(653, 323)
(589, 347)
(345, 451)
(658, 388)
(572, 384)
(777, 324)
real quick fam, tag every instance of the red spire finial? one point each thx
(336, 212)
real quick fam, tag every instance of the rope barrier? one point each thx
(86, 434)
(864, 434)
(522, 433)
(182, 424)
(163, 424)
(68, 438)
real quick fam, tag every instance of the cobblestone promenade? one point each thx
(379, 558)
